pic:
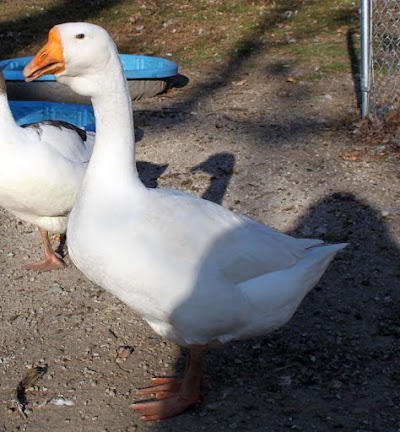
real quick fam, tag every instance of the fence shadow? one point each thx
(355, 65)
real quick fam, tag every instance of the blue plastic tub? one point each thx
(147, 76)
(31, 112)
(135, 67)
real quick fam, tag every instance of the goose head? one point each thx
(77, 54)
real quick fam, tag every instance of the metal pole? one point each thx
(365, 56)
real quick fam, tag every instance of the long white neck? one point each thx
(113, 163)
(7, 122)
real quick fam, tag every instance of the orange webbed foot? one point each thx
(174, 396)
(168, 402)
(51, 262)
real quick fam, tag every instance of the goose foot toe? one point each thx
(167, 404)
(51, 262)
(170, 385)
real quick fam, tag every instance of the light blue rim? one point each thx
(36, 111)
(137, 67)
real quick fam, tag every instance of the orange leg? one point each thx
(51, 260)
(173, 396)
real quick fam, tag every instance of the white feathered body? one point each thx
(198, 273)
(41, 170)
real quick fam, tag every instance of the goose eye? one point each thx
(80, 36)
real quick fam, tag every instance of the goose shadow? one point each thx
(221, 167)
(139, 134)
(373, 273)
(149, 173)
(340, 349)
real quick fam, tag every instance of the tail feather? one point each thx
(313, 266)
(274, 297)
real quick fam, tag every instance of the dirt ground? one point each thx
(280, 152)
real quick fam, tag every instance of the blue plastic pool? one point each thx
(36, 111)
(135, 67)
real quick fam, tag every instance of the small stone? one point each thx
(61, 401)
(111, 392)
(56, 290)
(123, 352)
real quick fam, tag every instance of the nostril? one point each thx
(43, 55)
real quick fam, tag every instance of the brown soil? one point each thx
(280, 152)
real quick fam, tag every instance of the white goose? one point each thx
(41, 169)
(199, 274)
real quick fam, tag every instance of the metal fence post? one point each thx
(365, 79)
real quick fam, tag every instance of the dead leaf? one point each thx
(349, 156)
(393, 117)
(326, 133)
(186, 182)
(288, 208)
(31, 376)
(239, 83)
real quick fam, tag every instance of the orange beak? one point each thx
(49, 60)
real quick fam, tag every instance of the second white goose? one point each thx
(41, 169)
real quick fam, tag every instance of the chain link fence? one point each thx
(380, 26)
